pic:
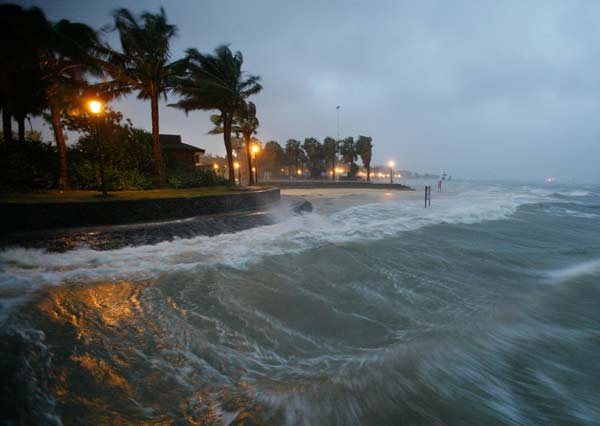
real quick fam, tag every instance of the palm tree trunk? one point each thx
(63, 179)
(156, 151)
(368, 166)
(21, 123)
(332, 168)
(249, 156)
(6, 124)
(227, 138)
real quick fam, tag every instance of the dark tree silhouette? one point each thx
(216, 82)
(144, 65)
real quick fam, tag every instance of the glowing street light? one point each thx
(216, 168)
(299, 172)
(255, 148)
(96, 108)
(391, 166)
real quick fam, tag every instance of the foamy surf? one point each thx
(368, 222)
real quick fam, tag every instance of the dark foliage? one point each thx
(28, 165)
(183, 177)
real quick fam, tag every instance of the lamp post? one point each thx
(96, 108)
(216, 168)
(391, 166)
(255, 150)
(337, 142)
(236, 166)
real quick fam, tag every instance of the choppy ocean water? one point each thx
(371, 310)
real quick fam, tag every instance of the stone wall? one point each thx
(36, 216)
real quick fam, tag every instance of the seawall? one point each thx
(37, 216)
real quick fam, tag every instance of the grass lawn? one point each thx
(86, 196)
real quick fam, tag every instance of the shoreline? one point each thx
(110, 237)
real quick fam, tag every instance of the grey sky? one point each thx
(482, 89)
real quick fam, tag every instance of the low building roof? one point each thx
(173, 143)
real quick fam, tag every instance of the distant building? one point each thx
(177, 152)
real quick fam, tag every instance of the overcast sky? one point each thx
(482, 89)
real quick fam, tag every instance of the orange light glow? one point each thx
(95, 107)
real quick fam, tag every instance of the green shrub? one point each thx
(193, 177)
(86, 175)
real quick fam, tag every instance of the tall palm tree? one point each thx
(217, 82)
(246, 123)
(272, 158)
(314, 153)
(364, 148)
(293, 152)
(349, 154)
(68, 54)
(330, 152)
(23, 32)
(144, 65)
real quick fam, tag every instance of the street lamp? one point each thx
(255, 150)
(337, 141)
(96, 108)
(391, 166)
(217, 171)
(236, 166)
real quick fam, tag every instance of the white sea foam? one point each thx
(569, 273)
(560, 211)
(575, 193)
(555, 192)
(26, 268)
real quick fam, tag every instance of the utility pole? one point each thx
(337, 143)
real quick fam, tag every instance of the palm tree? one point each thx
(246, 123)
(349, 154)
(272, 158)
(314, 153)
(30, 101)
(144, 65)
(216, 82)
(68, 54)
(330, 152)
(22, 33)
(292, 154)
(364, 148)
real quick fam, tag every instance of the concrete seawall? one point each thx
(36, 216)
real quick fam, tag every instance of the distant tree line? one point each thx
(317, 159)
